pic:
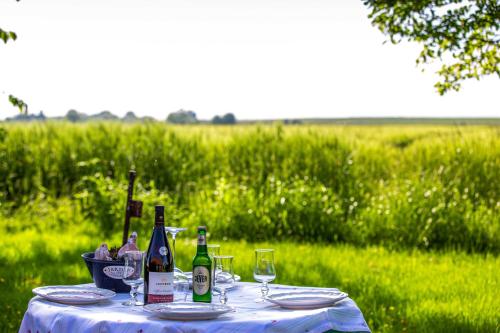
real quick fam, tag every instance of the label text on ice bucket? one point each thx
(116, 272)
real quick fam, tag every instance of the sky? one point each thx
(259, 59)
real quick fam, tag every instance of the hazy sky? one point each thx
(255, 58)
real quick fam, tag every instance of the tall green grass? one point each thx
(403, 187)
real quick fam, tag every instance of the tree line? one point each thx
(177, 117)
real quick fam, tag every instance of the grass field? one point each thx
(407, 187)
(404, 218)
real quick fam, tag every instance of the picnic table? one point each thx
(249, 316)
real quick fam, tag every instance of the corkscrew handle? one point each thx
(128, 208)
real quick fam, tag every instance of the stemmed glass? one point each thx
(213, 250)
(134, 261)
(264, 270)
(224, 276)
(178, 273)
(181, 289)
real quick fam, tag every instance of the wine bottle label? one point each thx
(201, 280)
(161, 287)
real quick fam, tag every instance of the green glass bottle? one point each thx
(202, 269)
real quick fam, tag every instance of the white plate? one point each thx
(74, 294)
(187, 310)
(306, 299)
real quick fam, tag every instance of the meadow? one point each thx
(404, 218)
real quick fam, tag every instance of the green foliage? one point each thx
(463, 34)
(182, 117)
(101, 200)
(73, 116)
(430, 188)
(19, 103)
(104, 115)
(7, 35)
(227, 119)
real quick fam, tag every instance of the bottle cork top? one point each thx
(159, 210)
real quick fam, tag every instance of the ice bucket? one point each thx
(106, 274)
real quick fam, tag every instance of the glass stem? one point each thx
(223, 296)
(133, 293)
(264, 289)
(173, 243)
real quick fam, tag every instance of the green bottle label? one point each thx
(201, 280)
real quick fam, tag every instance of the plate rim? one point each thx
(188, 315)
(105, 294)
(295, 305)
(292, 292)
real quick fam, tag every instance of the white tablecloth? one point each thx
(111, 316)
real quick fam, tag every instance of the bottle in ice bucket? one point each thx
(159, 264)
(202, 267)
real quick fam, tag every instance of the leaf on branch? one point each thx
(7, 35)
(19, 103)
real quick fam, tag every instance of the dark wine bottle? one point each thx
(159, 264)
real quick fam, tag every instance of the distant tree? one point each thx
(217, 120)
(130, 116)
(182, 117)
(462, 34)
(229, 118)
(28, 117)
(292, 122)
(73, 116)
(104, 115)
(226, 119)
(148, 119)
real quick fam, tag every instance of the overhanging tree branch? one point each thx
(19, 103)
(464, 35)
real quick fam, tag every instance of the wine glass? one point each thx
(213, 250)
(181, 288)
(224, 276)
(178, 273)
(264, 270)
(134, 261)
